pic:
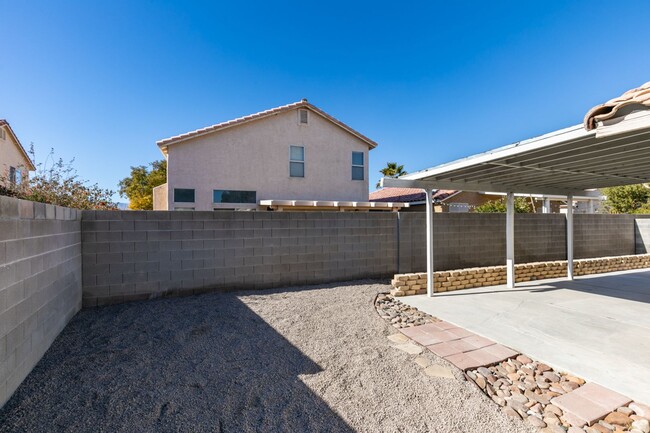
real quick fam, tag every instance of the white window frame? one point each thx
(363, 166)
(297, 161)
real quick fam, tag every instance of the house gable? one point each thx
(301, 105)
(12, 152)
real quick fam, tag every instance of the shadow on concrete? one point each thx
(632, 286)
(202, 363)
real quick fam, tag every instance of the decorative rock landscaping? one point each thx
(400, 315)
(533, 391)
(445, 281)
(525, 389)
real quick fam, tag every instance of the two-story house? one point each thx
(15, 164)
(293, 156)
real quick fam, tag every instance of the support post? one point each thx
(590, 207)
(546, 208)
(569, 236)
(510, 239)
(429, 208)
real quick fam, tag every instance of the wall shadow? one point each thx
(201, 363)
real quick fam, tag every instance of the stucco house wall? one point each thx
(255, 157)
(160, 199)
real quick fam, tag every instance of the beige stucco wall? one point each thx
(255, 157)
(160, 201)
(11, 156)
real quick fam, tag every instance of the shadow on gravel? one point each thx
(202, 363)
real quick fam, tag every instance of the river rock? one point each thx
(618, 418)
(643, 425)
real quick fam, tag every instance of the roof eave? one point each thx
(163, 144)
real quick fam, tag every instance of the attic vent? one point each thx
(303, 117)
(2, 133)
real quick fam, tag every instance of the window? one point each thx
(12, 174)
(303, 117)
(183, 195)
(357, 166)
(18, 177)
(226, 196)
(296, 161)
(2, 133)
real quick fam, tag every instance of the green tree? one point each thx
(56, 182)
(392, 170)
(522, 205)
(627, 199)
(138, 187)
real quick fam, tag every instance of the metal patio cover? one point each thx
(574, 161)
(568, 161)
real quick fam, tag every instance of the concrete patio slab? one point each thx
(595, 327)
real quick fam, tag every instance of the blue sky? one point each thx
(429, 81)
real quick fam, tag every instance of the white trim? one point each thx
(328, 203)
(510, 240)
(430, 268)
(569, 237)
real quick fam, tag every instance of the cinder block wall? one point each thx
(476, 240)
(472, 240)
(134, 255)
(642, 234)
(40, 283)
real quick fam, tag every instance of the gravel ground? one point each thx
(310, 360)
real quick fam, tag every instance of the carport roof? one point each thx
(568, 161)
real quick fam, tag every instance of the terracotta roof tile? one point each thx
(407, 195)
(639, 96)
(262, 114)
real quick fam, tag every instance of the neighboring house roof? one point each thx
(261, 115)
(639, 96)
(30, 163)
(408, 195)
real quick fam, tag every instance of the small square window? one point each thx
(297, 153)
(183, 195)
(297, 169)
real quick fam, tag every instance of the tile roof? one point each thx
(407, 195)
(3, 122)
(262, 114)
(639, 96)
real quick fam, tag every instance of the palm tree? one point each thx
(392, 170)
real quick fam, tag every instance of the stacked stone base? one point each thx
(445, 281)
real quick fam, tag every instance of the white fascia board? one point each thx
(563, 135)
(548, 196)
(478, 187)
